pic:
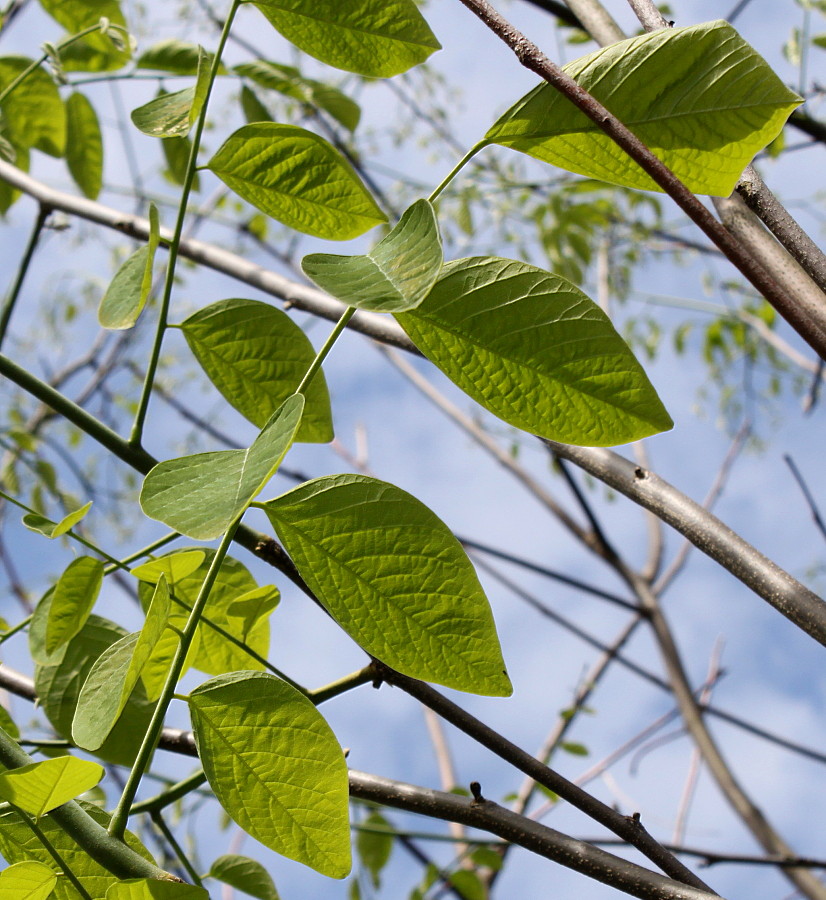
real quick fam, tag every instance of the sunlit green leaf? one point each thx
(244, 874)
(33, 114)
(380, 38)
(298, 178)
(176, 57)
(153, 889)
(45, 785)
(58, 687)
(74, 596)
(115, 674)
(84, 145)
(535, 351)
(275, 766)
(128, 292)
(394, 577)
(395, 275)
(173, 568)
(289, 81)
(373, 848)
(50, 529)
(27, 881)
(468, 884)
(8, 724)
(201, 495)
(256, 356)
(173, 115)
(253, 109)
(18, 843)
(236, 604)
(701, 98)
(9, 194)
(97, 52)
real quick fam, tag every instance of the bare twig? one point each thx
(810, 500)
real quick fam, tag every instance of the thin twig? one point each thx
(810, 500)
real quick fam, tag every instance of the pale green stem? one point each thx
(171, 795)
(163, 313)
(13, 85)
(354, 680)
(328, 346)
(117, 826)
(456, 169)
(52, 851)
(13, 631)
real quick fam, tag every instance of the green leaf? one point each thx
(535, 351)
(374, 849)
(50, 529)
(173, 115)
(235, 603)
(289, 81)
(256, 356)
(574, 749)
(34, 115)
(74, 596)
(275, 767)
(115, 674)
(173, 568)
(202, 495)
(244, 874)
(701, 98)
(486, 856)
(175, 57)
(253, 109)
(84, 145)
(395, 275)
(27, 881)
(153, 889)
(380, 38)
(395, 579)
(298, 178)
(58, 687)
(126, 296)
(468, 884)
(97, 52)
(19, 843)
(8, 724)
(43, 786)
(176, 152)
(8, 194)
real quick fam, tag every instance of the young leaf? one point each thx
(34, 115)
(275, 767)
(289, 81)
(373, 848)
(201, 495)
(256, 356)
(244, 874)
(173, 568)
(394, 578)
(395, 275)
(535, 351)
(297, 178)
(380, 38)
(74, 596)
(27, 881)
(175, 57)
(84, 145)
(701, 98)
(153, 889)
(43, 786)
(126, 296)
(18, 843)
(50, 529)
(115, 674)
(58, 687)
(173, 115)
(96, 52)
(236, 604)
